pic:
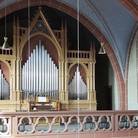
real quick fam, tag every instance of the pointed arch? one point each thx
(90, 26)
(82, 68)
(53, 49)
(4, 66)
(77, 83)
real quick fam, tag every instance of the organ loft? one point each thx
(42, 71)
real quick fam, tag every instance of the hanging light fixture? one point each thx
(5, 44)
(102, 50)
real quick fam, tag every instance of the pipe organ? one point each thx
(77, 87)
(46, 67)
(4, 87)
(40, 74)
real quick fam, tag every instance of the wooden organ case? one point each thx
(43, 66)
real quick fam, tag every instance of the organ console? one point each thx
(44, 104)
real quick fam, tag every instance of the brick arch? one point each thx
(87, 24)
(132, 6)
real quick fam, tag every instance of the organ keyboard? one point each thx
(44, 104)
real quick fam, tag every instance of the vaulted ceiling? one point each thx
(111, 17)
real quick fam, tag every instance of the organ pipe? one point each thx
(40, 74)
(37, 68)
(42, 62)
(48, 76)
(45, 74)
(34, 73)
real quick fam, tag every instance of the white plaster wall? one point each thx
(115, 94)
(132, 79)
(116, 100)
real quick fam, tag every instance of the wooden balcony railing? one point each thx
(78, 54)
(6, 51)
(61, 122)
